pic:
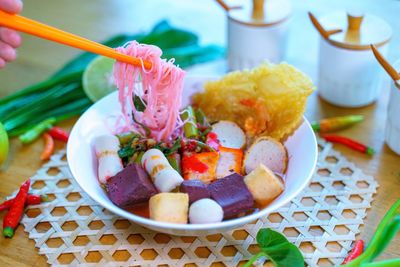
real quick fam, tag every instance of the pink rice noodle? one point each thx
(161, 91)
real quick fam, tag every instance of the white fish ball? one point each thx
(205, 211)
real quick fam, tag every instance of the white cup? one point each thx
(250, 45)
(392, 132)
(349, 78)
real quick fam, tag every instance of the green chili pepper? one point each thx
(32, 134)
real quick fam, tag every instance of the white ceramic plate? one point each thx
(301, 146)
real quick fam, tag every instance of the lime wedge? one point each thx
(3, 144)
(97, 79)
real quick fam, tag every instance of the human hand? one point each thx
(9, 39)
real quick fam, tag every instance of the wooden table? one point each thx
(100, 19)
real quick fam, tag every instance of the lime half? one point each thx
(3, 144)
(97, 79)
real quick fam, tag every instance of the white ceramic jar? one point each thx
(392, 132)
(257, 33)
(348, 73)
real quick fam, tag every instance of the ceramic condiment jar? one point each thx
(257, 32)
(348, 73)
(392, 131)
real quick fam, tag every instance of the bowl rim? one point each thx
(189, 227)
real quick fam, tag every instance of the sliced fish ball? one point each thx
(267, 151)
(205, 211)
(229, 134)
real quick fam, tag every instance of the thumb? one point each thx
(11, 6)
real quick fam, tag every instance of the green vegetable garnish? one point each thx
(201, 117)
(127, 137)
(189, 128)
(139, 104)
(126, 152)
(277, 249)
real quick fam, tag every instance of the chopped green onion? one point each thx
(189, 128)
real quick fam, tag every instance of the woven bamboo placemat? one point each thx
(74, 230)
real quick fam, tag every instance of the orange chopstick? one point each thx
(325, 34)
(47, 32)
(385, 64)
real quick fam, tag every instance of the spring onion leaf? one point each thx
(386, 230)
(4, 145)
(32, 134)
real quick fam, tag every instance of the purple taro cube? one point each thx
(196, 190)
(232, 194)
(130, 186)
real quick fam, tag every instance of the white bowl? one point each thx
(301, 146)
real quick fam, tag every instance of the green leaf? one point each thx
(194, 54)
(278, 249)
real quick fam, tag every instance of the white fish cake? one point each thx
(105, 142)
(109, 163)
(167, 180)
(264, 185)
(169, 207)
(205, 210)
(229, 134)
(267, 151)
(153, 160)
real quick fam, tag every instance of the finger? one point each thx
(10, 37)
(7, 52)
(11, 6)
(2, 63)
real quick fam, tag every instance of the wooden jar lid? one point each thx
(358, 31)
(261, 13)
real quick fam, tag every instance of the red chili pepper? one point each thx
(349, 143)
(14, 215)
(355, 252)
(30, 200)
(48, 147)
(59, 134)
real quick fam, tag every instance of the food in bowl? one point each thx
(180, 166)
